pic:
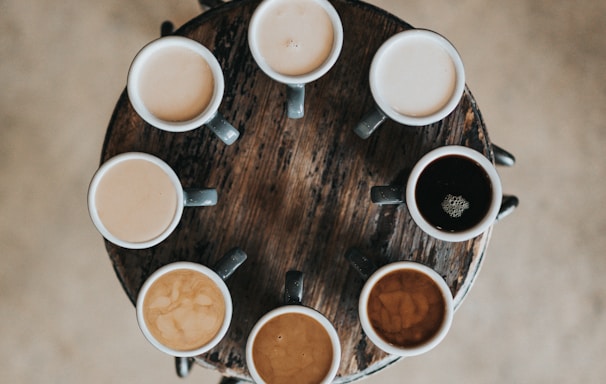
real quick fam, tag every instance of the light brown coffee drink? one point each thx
(184, 309)
(176, 84)
(292, 348)
(406, 308)
(136, 200)
(295, 36)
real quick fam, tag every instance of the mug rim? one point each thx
(300, 309)
(454, 99)
(92, 192)
(191, 266)
(307, 77)
(488, 168)
(374, 336)
(132, 83)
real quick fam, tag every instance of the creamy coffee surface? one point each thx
(406, 308)
(292, 348)
(295, 36)
(176, 84)
(416, 76)
(136, 200)
(184, 309)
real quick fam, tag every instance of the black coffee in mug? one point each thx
(453, 193)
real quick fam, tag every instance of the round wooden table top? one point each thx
(295, 194)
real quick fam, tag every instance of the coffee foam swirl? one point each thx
(184, 310)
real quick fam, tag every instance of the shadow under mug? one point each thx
(295, 48)
(405, 307)
(416, 78)
(136, 200)
(176, 84)
(453, 193)
(184, 309)
(276, 341)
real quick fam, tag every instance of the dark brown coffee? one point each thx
(406, 308)
(453, 193)
(292, 348)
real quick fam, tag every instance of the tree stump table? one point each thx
(295, 194)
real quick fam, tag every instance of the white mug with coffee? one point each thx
(295, 42)
(184, 309)
(136, 200)
(176, 84)
(453, 193)
(293, 343)
(405, 308)
(416, 78)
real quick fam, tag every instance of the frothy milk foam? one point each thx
(184, 309)
(295, 36)
(416, 76)
(176, 84)
(136, 200)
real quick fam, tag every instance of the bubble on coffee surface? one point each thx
(455, 206)
(291, 43)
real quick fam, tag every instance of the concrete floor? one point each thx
(537, 313)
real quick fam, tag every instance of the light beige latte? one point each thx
(136, 200)
(176, 84)
(295, 37)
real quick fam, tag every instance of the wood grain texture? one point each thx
(295, 194)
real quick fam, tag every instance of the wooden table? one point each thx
(295, 194)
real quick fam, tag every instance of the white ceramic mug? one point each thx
(266, 335)
(295, 42)
(185, 309)
(464, 200)
(176, 84)
(416, 78)
(136, 200)
(414, 295)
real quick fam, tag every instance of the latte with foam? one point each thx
(184, 309)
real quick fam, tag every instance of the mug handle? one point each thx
(295, 100)
(228, 264)
(183, 366)
(223, 129)
(393, 195)
(502, 157)
(196, 197)
(361, 263)
(293, 288)
(370, 122)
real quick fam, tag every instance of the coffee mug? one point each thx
(293, 343)
(405, 308)
(136, 200)
(184, 309)
(416, 78)
(453, 193)
(176, 84)
(295, 42)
